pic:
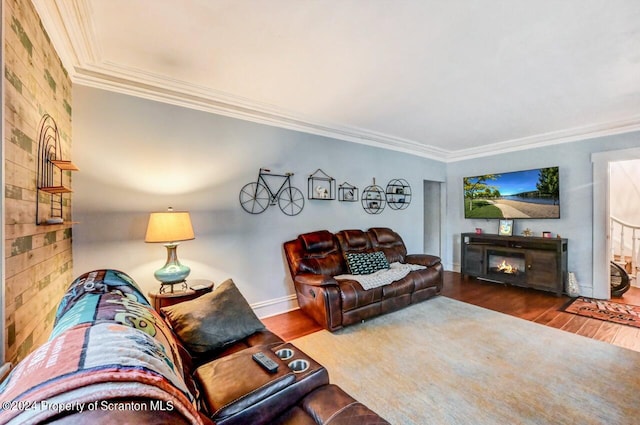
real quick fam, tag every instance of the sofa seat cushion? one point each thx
(404, 286)
(383, 277)
(354, 296)
(234, 383)
(265, 339)
(295, 416)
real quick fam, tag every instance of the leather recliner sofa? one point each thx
(316, 258)
(113, 359)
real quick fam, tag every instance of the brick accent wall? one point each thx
(38, 263)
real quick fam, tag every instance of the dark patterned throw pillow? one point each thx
(366, 263)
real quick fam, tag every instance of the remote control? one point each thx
(268, 364)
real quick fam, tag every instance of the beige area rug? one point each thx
(443, 361)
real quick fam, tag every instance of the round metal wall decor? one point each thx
(373, 199)
(398, 194)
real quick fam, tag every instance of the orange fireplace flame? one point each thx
(507, 268)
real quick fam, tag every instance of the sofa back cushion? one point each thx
(317, 242)
(353, 241)
(386, 240)
(213, 320)
(315, 252)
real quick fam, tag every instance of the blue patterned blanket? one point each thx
(107, 343)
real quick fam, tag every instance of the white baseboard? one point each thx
(275, 306)
(585, 291)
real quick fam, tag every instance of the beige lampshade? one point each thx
(169, 226)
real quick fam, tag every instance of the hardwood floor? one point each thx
(529, 304)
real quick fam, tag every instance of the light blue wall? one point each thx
(136, 156)
(576, 193)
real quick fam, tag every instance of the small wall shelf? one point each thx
(347, 193)
(64, 165)
(49, 173)
(398, 194)
(373, 199)
(321, 186)
(55, 189)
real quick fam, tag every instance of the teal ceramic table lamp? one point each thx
(170, 228)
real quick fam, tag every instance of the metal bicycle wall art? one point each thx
(255, 197)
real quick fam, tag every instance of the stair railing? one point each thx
(623, 249)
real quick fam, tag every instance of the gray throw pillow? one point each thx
(213, 320)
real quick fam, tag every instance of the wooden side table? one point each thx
(167, 299)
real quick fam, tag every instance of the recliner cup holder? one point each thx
(285, 353)
(299, 365)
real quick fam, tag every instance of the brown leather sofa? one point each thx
(229, 394)
(228, 387)
(315, 258)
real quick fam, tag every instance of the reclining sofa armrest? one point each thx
(319, 298)
(315, 279)
(423, 259)
(232, 385)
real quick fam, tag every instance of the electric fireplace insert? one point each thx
(506, 265)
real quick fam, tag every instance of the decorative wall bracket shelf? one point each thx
(49, 177)
(347, 193)
(321, 186)
(64, 165)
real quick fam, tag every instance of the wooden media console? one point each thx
(532, 262)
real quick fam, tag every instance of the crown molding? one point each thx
(149, 86)
(548, 139)
(70, 27)
(133, 82)
(71, 30)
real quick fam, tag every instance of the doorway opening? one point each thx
(433, 195)
(624, 216)
(602, 229)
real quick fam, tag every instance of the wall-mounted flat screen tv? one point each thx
(519, 194)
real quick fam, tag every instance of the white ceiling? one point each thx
(445, 79)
